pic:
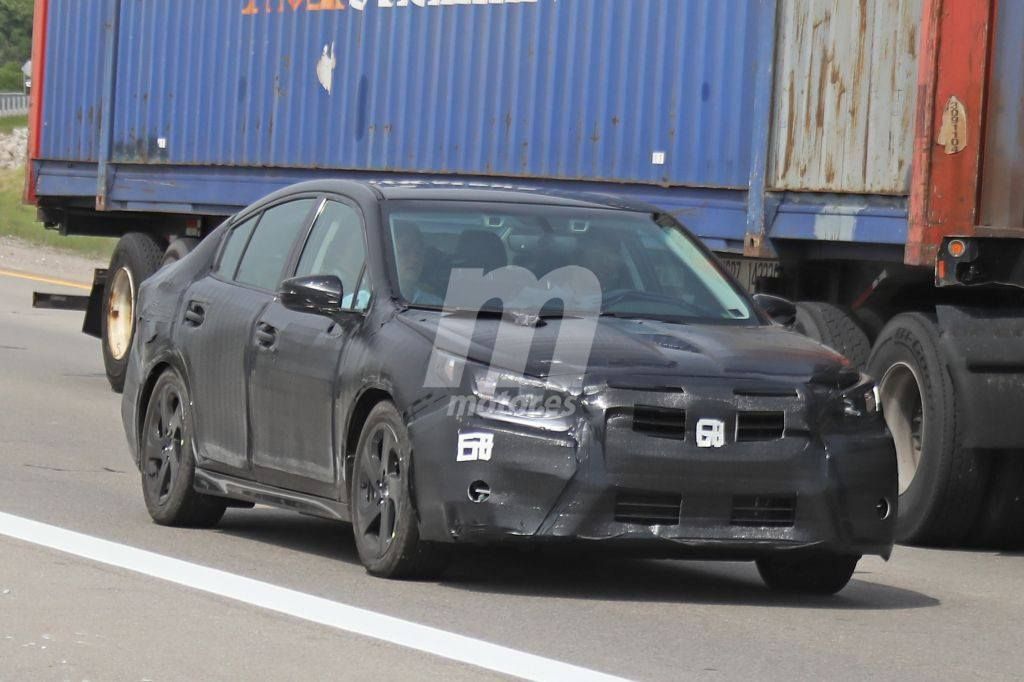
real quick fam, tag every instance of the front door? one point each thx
(293, 386)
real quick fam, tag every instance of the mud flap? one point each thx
(93, 323)
(985, 353)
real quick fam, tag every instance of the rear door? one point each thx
(218, 319)
(293, 386)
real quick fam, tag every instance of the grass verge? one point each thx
(18, 220)
(11, 122)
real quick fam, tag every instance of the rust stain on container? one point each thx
(844, 110)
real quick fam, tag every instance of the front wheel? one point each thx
(168, 460)
(822, 574)
(383, 516)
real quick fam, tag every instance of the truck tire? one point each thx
(835, 327)
(1000, 524)
(872, 320)
(178, 249)
(136, 257)
(940, 484)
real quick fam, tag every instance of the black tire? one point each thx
(178, 249)
(835, 327)
(821, 574)
(168, 459)
(138, 256)
(941, 484)
(1000, 524)
(872, 320)
(384, 519)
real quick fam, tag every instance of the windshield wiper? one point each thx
(676, 319)
(523, 319)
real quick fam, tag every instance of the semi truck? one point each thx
(864, 159)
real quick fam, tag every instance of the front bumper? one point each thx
(832, 488)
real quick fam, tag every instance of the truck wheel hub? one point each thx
(904, 413)
(120, 313)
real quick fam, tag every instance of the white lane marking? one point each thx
(298, 604)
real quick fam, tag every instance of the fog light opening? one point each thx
(479, 491)
(883, 508)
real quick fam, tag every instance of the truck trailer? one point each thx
(864, 159)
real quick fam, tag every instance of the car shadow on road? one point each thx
(646, 580)
(287, 530)
(585, 576)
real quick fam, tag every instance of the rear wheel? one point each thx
(835, 327)
(168, 459)
(940, 483)
(872, 320)
(136, 257)
(383, 516)
(807, 574)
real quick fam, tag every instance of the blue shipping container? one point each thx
(572, 90)
(201, 106)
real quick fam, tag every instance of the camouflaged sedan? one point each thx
(447, 366)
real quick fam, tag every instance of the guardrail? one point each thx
(13, 104)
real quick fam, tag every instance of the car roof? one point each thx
(458, 190)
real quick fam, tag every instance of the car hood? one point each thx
(631, 352)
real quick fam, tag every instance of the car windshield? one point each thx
(555, 260)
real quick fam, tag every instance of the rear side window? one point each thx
(236, 241)
(336, 247)
(271, 244)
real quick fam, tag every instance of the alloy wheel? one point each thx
(165, 444)
(380, 489)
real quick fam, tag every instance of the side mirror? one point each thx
(780, 310)
(319, 294)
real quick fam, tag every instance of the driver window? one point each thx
(336, 247)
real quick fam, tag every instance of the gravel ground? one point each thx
(16, 254)
(13, 148)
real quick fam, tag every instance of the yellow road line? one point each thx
(45, 280)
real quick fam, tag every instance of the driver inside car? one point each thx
(410, 258)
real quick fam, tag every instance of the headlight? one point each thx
(861, 400)
(511, 395)
(444, 370)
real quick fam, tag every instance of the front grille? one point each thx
(649, 509)
(763, 512)
(661, 422)
(752, 426)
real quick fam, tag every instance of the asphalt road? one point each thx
(63, 461)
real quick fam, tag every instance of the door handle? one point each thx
(266, 336)
(195, 314)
